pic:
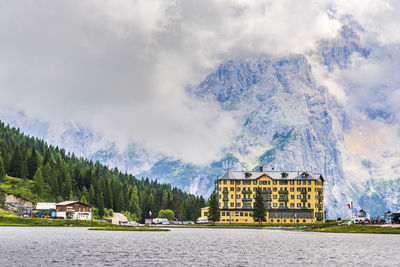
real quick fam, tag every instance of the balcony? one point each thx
(247, 207)
(283, 199)
(225, 198)
(283, 192)
(269, 191)
(266, 198)
(320, 199)
(245, 199)
(244, 191)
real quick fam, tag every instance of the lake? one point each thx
(48, 246)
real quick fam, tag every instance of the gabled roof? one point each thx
(275, 175)
(71, 202)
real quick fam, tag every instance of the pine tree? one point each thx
(213, 208)
(85, 193)
(67, 186)
(38, 182)
(83, 199)
(134, 204)
(16, 163)
(2, 170)
(24, 170)
(33, 163)
(100, 206)
(259, 210)
(91, 195)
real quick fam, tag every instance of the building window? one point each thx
(275, 196)
(205, 213)
(292, 205)
(292, 197)
(238, 182)
(224, 181)
(232, 182)
(275, 205)
(298, 196)
(238, 189)
(291, 182)
(274, 182)
(309, 182)
(309, 189)
(298, 205)
(275, 189)
(309, 205)
(232, 204)
(232, 189)
(304, 182)
(246, 214)
(236, 214)
(298, 182)
(238, 196)
(231, 196)
(309, 196)
(228, 214)
(241, 214)
(291, 189)
(238, 205)
(223, 213)
(219, 181)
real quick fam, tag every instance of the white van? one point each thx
(202, 220)
(160, 221)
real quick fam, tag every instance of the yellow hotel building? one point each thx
(290, 197)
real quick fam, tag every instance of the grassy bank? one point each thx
(18, 221)
(365, 229)
(22, 188)
(122, 228)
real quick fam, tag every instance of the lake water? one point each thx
(40, 246)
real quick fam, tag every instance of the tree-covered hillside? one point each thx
(57, 175)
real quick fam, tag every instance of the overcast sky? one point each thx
(121, 67)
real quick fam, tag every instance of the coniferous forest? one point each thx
(57, 175)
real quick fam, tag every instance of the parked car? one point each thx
(130, 223)
(202, 220)
(160, 221)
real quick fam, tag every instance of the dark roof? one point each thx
(275, 175)
(71, 202)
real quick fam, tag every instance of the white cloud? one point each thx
(122, 67)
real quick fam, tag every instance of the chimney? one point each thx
(261, 168)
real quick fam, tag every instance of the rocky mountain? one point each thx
(286, 122)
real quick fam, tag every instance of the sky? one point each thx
(122, 67)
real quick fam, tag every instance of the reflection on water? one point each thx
(35, 246)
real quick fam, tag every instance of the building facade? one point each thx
(74, 210)
(289, 197)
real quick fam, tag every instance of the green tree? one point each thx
(33, 163)
(100, 206)
(16, 163)
(213, 208)
(167, 214)
(92, 195)
(259, 210)
(83, 199)
(134, 204)
(2, 170)
(38, 182)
